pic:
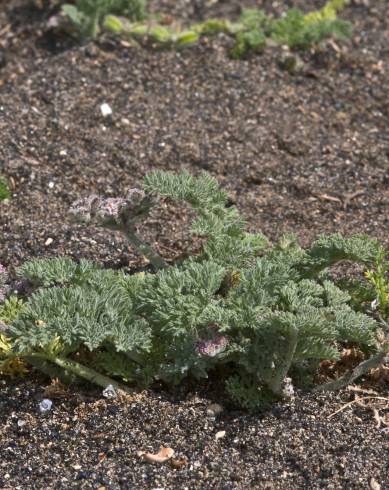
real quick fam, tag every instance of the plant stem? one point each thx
(84, 372)
(45, 367)
(276, 381)
(361, 369)
(145, 249)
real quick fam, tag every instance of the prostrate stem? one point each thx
(85, 372)
(144, 248)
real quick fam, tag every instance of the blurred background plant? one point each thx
(4, 189)
(252, 32)
(88, 15)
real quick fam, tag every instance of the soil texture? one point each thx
(306, 153)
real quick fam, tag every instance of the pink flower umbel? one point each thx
(108, 211)
(211, 347)
(119, 214)
(84, 209)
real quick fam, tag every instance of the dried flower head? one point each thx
(109, 212)
(83, 210)
(138, 203)
(112, 212)
(135, 196)
(211, 347)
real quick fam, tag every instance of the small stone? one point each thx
(288, 389)
(214, 410)
(63, 153)
(51, 185)
(125, 121)
(373, 484)
(45, 405)
(21, 423)
(110, 392)
(291, 62)
(106, 110)
(220, 434)
(48, 242)
(374, 304)
(53, 22)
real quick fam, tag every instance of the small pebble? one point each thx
(106, 110)
(45, 405)
(220, 434)
(48, 242)
(373, 484)
(110, 392)
(213, 410)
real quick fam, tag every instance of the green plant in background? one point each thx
(254, 312)
(251, 32)
(294, 29)
(4, 190)
(328, 12)
(88, 15)
(151, 31)
(298, 31)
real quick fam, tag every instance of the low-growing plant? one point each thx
(252, 312)
(251, 32)
(10, 309)
(88, 15)
(299, 31)
(4, 189)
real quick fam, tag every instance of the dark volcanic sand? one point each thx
(307, 153)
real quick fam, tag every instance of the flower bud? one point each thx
(212, 347)
(83, 210)
(109, 211)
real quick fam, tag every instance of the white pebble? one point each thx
(45, 405)
(106, 110)
(213, 410)
(110, 392)
(220, 434)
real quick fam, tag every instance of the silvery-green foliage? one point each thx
(57, 271)
(253, 311)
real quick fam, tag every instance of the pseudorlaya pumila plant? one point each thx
(251, 312)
